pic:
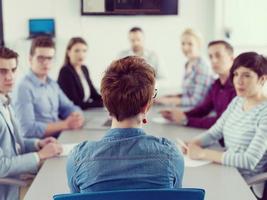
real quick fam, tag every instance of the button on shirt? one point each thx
(125, 159)
(38, 103)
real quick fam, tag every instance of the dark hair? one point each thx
(42, 42)
(227, 45)
(127, 86)
(250, 60)
(135, 29)
(72, 42)
(7, 53)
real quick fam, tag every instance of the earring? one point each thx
(144, 121)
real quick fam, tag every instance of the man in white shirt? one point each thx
(137, 42)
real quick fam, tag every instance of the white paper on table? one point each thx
(160, 120)
(188, 162)
(67, 149)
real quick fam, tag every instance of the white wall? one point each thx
(245, 21)
(107, 35)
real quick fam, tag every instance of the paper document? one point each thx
(188, 162)
(160, 120)
(67, 149)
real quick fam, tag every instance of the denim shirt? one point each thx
(125, 159)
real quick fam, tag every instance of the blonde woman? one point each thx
(197, 79)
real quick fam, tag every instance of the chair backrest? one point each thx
(146, 194)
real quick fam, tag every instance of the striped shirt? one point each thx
(196, 84)
(245, 136)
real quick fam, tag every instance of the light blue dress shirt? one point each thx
(38, 103)
(125, 159)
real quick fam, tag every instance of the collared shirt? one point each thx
(150, 57)
(125, 159)
(18, 155)
(196, 83)
(38, 103)
(5, 101)
(217, 100)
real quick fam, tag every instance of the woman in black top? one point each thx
(74, 76)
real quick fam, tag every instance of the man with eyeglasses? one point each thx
(41, 106)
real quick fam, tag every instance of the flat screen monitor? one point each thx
(129, 7)
(40, 27)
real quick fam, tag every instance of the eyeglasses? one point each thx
(155, 93)
(41, 59)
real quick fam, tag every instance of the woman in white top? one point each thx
(74, 78)
(243, 125)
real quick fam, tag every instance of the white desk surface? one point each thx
(219, 182)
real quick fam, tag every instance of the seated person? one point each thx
(38, 100)
(17, 155)
(197, 78)
(222, 91)
(126, 158)
(137, 41)
(244, 123)
(74, 77)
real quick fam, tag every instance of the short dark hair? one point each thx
(136, 29)
(227, 45)
(127, 86)
(7, 53)
(250, 60)
(41, 42)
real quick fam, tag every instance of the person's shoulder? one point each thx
(53, 84)
(85, 69)
(25, 83)
(264, 107)
(84, 149)
(65, 69)
(202, 63)
(164, 146)
(236, 101)
(124, 53)
(216, 82)
(151, 52)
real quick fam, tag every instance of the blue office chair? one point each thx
(144, 194)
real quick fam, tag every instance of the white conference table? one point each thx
(219, 182)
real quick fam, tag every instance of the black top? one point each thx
(70, 83)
